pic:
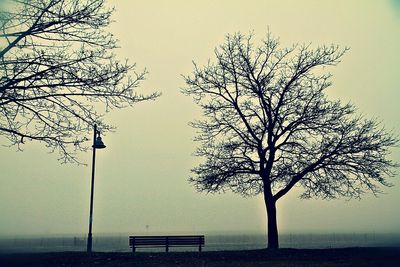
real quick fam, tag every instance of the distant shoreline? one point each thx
(208, 233)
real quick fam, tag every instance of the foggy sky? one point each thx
(141, 177)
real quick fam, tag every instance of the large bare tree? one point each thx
(269, 126)
(57, 69)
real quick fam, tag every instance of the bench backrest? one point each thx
(179, 240)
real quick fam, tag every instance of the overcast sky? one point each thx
(141, 177)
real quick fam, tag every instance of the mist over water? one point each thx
(214, 242)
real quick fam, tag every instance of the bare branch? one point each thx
(55, 68)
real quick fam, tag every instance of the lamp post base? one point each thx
(89, 244)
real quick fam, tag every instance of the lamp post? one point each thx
(97, 144)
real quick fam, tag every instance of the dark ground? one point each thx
(283, 257)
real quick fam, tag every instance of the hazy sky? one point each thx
(141, 177)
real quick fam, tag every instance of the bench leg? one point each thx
(133, 249)
(200, 248)
(166, 248)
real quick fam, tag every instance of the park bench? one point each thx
(166, 241)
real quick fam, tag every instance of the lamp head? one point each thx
(98, 143)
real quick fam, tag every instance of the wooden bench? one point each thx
(166, 241)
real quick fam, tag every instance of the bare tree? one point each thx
(56, 65)
(268, 126)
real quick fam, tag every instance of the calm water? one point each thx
(119, 243)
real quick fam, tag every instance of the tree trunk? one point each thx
(272, 231)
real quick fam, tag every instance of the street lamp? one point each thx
(97, 144)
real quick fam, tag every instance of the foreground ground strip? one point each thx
(281, 257)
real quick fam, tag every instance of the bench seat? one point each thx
(166, 241)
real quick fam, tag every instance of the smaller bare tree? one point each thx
(56, 64)
(268, 126)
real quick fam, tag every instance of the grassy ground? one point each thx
(282, 257)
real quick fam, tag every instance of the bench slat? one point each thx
(165, 237)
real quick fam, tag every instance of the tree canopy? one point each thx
(57, 70)
(268, 125)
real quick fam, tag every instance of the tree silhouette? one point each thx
(268, 126)
(57, 67)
